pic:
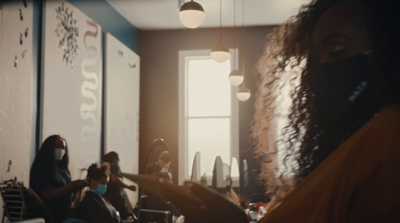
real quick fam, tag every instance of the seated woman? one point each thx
(51, 180)
(158, 164)
(94, 208)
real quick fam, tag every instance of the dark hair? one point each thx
(157, 147)
(96, 173)
(289, 47)
(110, 157)
(46, 156)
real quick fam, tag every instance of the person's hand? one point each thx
(79, 184)
(53, 193)
(215, 208)
(132, 187)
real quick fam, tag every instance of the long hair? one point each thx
(45, 156)
(285, 60)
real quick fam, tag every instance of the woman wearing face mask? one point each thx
(346, 113)
(51, 180)
(94, 208)
(341, 58)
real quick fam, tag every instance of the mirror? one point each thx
(218, 180)
(196, 176)
(234, 173)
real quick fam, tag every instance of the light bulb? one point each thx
(235, 78)
(220, 53)
(191, 15)
(243, 94)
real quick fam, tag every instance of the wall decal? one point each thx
(67, 32)
(72, 82)
(21, 17)
(17, 91)
(131, 66)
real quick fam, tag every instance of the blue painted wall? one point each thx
(110, 20)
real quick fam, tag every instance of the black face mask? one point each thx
(339, 87)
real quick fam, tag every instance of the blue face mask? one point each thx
(101, 189)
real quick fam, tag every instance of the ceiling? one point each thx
(163, 14)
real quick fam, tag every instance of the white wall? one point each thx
(121, 108)
(17, 92)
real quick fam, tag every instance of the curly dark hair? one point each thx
(285, 61)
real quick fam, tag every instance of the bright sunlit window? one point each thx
(208, 112)
(283, 105)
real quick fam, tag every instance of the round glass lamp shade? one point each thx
(191, 14)
(220, 53)
(235, 78)
(243, 94)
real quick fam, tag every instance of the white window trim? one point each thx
(183, 60)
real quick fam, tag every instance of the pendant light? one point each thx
(243, 93)
(220, 53)
(191, 14)
(235, 77)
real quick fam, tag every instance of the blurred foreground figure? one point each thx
(340, 59)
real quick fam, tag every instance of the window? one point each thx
(208, 119)
(290, 78)
(281, 121)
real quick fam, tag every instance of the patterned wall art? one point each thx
(72, 82)
(17, 90)
(121, 93)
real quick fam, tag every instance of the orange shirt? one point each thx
(359, 182)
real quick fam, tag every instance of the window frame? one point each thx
(184, 57)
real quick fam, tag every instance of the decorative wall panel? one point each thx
(17, 90)
(121, 84)
(72, 82)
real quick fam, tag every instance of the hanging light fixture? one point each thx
(243, 93)
(191, 14)
(220, 53)
(235, 77)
